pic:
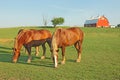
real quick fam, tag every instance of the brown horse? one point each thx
(31, 38)
(36, 47)
(66, 37)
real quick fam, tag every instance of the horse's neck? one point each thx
(18, 43)
(18, 46)
(54, 43)
(20, 40)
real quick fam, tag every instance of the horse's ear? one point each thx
(12, 48)
(57, 50)
(51, 50)
(15, 49)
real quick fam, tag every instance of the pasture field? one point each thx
(100, 58)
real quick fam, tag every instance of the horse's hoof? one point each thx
(55, 66)
(43, 57)
(14, 61)
(36, 55)
(78, 60)
(29, 61)
(63, 62)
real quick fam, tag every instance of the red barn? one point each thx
(100, 21)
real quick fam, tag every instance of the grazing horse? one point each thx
(63, 38)
(31, 38)
(36, 47)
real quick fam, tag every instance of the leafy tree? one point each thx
(118, 25)
(57, 21)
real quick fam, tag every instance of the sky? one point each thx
(15, 13)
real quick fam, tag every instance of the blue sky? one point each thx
(30, 12)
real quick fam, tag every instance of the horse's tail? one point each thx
(81, 36)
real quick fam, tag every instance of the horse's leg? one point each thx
(36, 50)
(49, 44)
(63, 55)
(78, 47)
(29, 54)
(44, 51)
(25, 51)
(55, 59)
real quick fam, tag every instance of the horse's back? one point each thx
(78, 31)
(32, 34)
(72, 32)
(42, 34)
(68, 36)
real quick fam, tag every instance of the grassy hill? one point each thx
(100, 58)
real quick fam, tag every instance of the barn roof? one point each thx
(91, 21)
(94, 20)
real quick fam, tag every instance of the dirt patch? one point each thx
(6, 40)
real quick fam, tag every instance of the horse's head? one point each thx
(16, 54)
(54, 50)
(55, 56)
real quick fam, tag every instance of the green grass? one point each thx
(100, 58)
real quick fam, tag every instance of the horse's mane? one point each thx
(55, 37)
(21, 32)
(54, 41)
(19, 35)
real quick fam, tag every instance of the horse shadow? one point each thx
(2, 47)
(36, 61)
(71, 60)
(5, 54)
(6, 57)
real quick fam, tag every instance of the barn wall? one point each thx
(102, 22)
(89, 25)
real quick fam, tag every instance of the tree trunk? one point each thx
(54, 26)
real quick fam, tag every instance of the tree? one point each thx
(118, 25)
(45, 21)
(57, 21)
